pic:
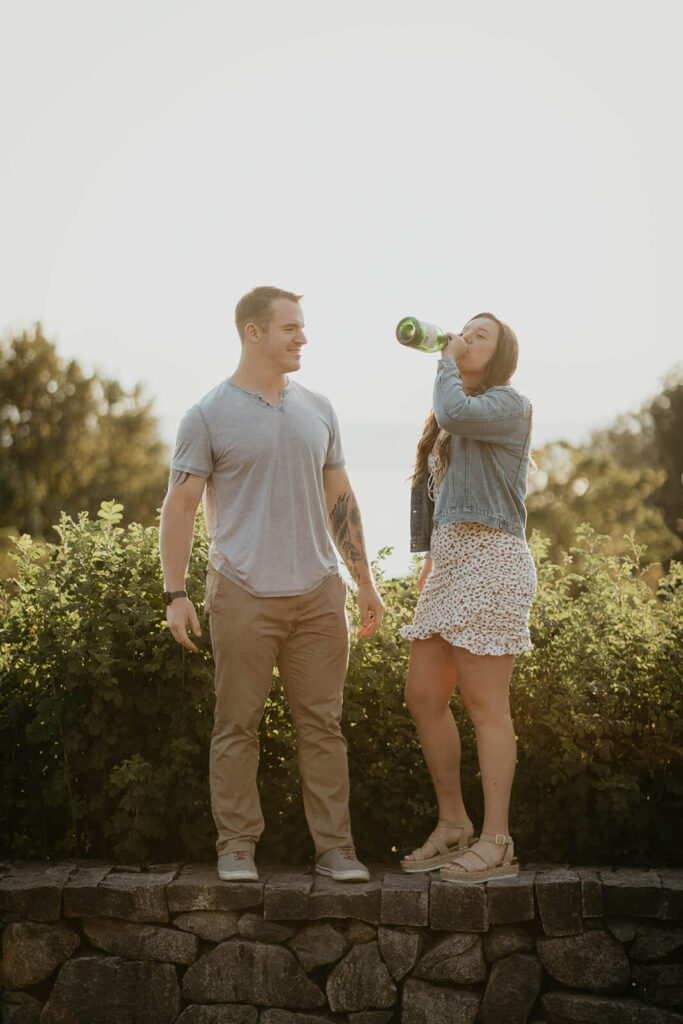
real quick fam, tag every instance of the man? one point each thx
(267, 453)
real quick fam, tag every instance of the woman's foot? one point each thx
(446, 839)
(491, 856)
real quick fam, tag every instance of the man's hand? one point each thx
(176, 532)
(370, 608)
(179, 614)
(424, 573)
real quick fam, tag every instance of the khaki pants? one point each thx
(307, 637)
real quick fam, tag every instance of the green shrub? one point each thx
(597, 707)
(105, 720)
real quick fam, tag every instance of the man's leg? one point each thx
(312, 665)
(246, 633)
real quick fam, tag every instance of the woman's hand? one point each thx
(455, 347)
(426, 569)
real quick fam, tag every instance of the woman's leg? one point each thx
(484, 684)
(431, 680)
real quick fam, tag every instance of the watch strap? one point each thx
(170, 595)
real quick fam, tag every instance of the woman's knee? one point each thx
(411, 697)
(424, 701)
(416, 698)
(484, 713)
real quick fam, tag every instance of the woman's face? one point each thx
(480, 337)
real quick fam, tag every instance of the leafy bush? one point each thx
(105, 720)
(597, 706)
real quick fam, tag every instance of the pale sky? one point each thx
(159, 158)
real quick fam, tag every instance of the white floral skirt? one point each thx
(479, 592)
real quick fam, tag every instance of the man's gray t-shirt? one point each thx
(264, 500)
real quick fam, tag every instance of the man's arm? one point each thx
(346, 529)
(176, 533)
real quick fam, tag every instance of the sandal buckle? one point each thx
(500, 840)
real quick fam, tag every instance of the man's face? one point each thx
(283, 339)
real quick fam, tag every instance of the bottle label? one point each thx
(431, 335)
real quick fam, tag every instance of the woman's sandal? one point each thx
(468, 874)
(418, 861)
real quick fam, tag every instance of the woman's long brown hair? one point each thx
(499, 370)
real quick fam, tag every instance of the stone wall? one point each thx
(88, 943)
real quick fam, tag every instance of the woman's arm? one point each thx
(424, 572)
(500, 414)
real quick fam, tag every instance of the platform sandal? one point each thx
(445, 851)
(469, 874)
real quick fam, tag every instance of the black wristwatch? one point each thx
(170, 595)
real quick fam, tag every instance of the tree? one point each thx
(626, 480)
(68, 441)
(574, 485)
(652, 437)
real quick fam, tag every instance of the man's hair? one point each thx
(256, 307)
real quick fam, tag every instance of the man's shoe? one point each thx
(342, 865)
(237, 866)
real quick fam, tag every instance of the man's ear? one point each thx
(252, 331)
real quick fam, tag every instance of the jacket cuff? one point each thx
(447, 366)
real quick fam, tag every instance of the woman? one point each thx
(477, 586)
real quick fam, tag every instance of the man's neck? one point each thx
(261, 380)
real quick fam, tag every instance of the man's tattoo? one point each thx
(178, 475)
(347, 532)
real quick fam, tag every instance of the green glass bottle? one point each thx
(417, 334)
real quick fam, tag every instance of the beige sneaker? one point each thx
(341, 864)
(237, 866)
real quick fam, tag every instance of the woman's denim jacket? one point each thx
(486, 478)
